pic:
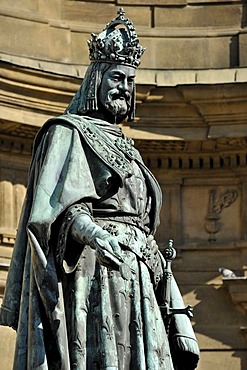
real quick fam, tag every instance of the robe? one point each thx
(70, 311)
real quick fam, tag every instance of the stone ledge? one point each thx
(182, 108)
(171, 3)
(70, 70)
(197, 77)
(237, 288)
(144, 76)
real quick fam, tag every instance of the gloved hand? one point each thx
(85, 231)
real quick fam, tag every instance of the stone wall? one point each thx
(178, 34)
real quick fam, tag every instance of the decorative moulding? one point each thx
(7, 239)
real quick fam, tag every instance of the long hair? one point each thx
(86, 98)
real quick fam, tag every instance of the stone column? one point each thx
(11, 200)
(6, 207)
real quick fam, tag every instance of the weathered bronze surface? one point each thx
(87, 277)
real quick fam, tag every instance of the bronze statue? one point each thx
(86, 278)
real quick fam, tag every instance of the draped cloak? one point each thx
(36, 301)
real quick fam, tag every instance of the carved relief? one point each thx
(216, 205)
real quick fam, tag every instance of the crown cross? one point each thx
(121, 12)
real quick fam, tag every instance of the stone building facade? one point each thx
(190, 128)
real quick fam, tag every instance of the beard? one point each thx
(118, 104)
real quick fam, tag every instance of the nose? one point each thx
(123, 86)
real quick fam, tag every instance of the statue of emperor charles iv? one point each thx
(87, 279)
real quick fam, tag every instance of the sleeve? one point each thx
(63, 178)
(68, 258)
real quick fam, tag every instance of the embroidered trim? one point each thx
(102, 146)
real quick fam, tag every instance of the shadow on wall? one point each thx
(218, 325)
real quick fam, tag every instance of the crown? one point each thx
(116, 44)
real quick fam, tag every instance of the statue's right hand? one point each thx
(107, 248)
(108, 251)
(86, 231)
(108, 242)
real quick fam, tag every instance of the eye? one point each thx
(115, 78)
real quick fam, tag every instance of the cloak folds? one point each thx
(59, 177)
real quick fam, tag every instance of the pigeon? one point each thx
(226, 273)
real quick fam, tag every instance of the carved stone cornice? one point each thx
(17, 145)
(32, 90)
(175, 136)
(192, 146)
(208, 154)
(177, 113)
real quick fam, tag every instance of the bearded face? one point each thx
(117, 102)
(116, 89)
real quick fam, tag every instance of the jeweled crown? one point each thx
(116, 44)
